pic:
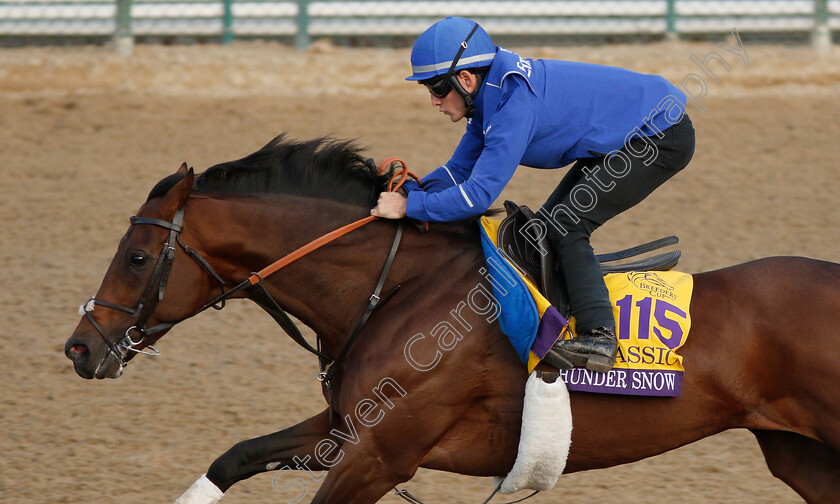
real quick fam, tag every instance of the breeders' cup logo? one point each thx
(652, 283)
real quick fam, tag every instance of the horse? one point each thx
(409, 394)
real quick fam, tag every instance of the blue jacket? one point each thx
(542, 114)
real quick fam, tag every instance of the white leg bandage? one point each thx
(203, 491)
(545, 439)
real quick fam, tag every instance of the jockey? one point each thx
(626, 133)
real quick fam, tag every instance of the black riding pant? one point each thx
(595, 190)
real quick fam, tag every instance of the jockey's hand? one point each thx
(391, 205)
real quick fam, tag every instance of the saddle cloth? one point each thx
(651, 310)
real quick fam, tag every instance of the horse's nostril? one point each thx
(77, 351)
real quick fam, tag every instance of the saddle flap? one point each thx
(523, 242)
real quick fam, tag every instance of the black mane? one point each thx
(319, 168)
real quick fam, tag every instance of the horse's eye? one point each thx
(137, 259)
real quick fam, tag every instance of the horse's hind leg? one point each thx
(291, 448)
(806, 465)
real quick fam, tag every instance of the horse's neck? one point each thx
(327, 289)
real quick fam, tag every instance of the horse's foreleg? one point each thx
(806, 465)
(280, 449)
(287, 449)
(373, 461)
(361, 479)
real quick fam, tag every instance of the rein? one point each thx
(160, 274)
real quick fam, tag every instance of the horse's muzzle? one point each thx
(86, 365)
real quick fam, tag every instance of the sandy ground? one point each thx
(85, 134)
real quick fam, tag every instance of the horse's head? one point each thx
(129, 312)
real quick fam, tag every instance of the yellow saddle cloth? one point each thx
(651, 310)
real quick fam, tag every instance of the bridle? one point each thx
(156, 288)
(153, 293)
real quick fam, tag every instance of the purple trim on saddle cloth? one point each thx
(640, 382)
(548, 331)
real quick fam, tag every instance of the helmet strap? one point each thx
(469, 98)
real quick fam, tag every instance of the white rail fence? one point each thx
(303, 19)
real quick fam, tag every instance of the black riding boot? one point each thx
(595, 349)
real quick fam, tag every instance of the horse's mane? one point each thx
(321, 168)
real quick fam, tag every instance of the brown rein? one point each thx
(291, 257)
(167, 256)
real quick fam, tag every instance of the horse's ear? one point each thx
(177, 196)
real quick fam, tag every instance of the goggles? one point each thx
(440, 87)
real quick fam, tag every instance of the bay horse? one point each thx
(410, 395)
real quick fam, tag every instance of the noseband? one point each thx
(149, 300)
(153, 293)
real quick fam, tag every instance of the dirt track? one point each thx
(84, 135)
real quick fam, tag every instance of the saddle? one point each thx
(522, 244)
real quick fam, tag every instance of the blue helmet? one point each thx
(440, 45)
